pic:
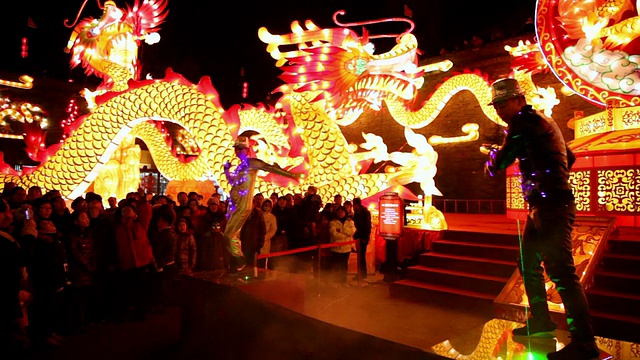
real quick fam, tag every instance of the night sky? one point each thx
(219, 38)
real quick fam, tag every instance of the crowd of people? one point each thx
(64, 267)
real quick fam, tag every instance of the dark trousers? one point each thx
(168, 277)
(250, 257)
(46, 314)
(547, 238)
(212, 252)
(103, 298)
(362, 257)
(80, 307)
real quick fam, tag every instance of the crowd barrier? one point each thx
(318, 248)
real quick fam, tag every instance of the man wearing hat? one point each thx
(545, 162)
(242, 180)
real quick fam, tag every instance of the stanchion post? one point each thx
(391, 267)
(358, 260)
(319, 267)
(255, 266)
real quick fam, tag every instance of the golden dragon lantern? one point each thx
(331, 77)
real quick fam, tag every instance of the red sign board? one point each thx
(391, 215)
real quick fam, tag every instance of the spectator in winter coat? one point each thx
(341, 229)
(165, 249)
(102, 228)
(212, 253)
(82, 266)
(186, 256)
(48, 271)
(134, 252)
(12, 273)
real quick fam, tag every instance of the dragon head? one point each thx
(343, 68)
(111, 42)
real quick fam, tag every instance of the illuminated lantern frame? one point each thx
(594, 60)
(606, 175)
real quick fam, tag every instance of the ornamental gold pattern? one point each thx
(515, 200)
(581, 183)
(631, 118)
(496, 340)
(619, 190)
(492, 331)
(594, 124)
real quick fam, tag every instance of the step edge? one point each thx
(474, 244)
(423, 268)
(473, 233)
(609, 293)
(471, 258)
(620, 256)
(444, 289)
(615, 316)
(610, 273)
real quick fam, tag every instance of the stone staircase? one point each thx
(468, 268)
(614, 296)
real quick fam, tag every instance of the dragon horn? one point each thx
(378, 21)
(66, 21)
(76, 30)
(72, 39)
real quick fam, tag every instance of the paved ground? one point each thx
(155, 338)
(369, 309)
(363, 307)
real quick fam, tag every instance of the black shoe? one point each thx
(577, 351)
(536, 329)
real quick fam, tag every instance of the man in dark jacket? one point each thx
(101, 226)
(362, 220)
(252, 232)
(284, 219)
(544, 160)
(164, 246)
(12, 273)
